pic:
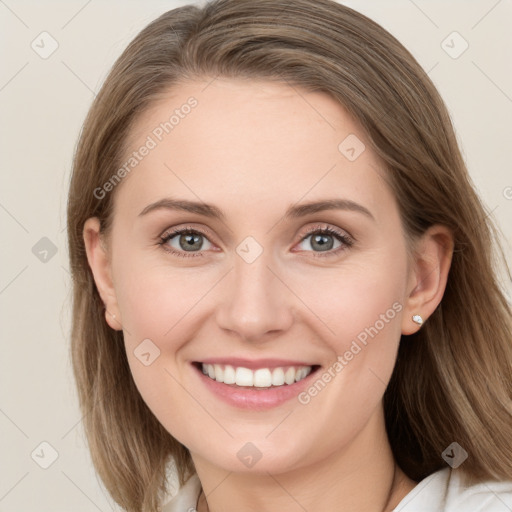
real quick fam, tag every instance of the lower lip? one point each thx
(254, 398)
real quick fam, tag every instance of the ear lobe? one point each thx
(99, 262)
(429, 275)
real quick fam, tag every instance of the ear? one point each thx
(99, 261)
(428, 275)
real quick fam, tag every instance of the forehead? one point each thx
(222, 140)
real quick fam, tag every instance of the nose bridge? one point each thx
(255, 301)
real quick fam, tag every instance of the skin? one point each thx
(252, 149)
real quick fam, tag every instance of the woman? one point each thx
(284, 288)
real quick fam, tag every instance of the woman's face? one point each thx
(257, 283)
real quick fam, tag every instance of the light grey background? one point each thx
(43, 103)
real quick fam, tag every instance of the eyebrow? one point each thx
(294, 211)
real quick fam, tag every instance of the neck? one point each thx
(361, 477)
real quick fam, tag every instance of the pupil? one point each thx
(324, 242)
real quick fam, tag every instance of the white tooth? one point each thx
(278, 377)
(229, 375)
(301, 374)
(262, 378)
(289, 376)
(244, 377)
(219, 374)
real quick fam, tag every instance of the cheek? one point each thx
(155, 300)
(361, 300)
(156, 312)
(360, 309)
(159, 307)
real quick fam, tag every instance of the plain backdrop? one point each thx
(43, 102)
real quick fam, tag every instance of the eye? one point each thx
(323, 240)
(183, 241)
(190, 242)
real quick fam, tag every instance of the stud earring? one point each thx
(417, 319)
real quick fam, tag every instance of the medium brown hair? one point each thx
(452, 379)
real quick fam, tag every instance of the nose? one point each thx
(256, 302)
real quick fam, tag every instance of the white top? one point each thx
(441, 491)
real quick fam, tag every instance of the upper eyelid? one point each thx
(176, 231)
(327, 227)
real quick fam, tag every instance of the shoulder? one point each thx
(444, 491)
(488, 496)
(185, 499)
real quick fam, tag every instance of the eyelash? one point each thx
(346, 240)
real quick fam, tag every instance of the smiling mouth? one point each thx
(259, 379)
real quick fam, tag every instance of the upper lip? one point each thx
(254, 364)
